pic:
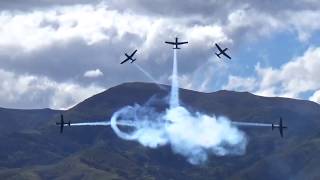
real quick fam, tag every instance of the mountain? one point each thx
(32, 148)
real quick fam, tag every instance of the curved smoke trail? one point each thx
(193, 135)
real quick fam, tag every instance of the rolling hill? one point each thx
(32, 148)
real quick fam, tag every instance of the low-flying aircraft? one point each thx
(62, 123)
(222, 51)
(280, 126)
(129, 57)
(176, 43)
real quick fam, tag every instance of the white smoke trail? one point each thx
(148, 126)
(121, 123)
(251, 124)
(149, 76)
(174, 95)
(194, 136)
(91, 124)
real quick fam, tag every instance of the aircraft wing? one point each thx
(134, 53)
(226, 55)
(61, 128)
(124, 61)
(219, 48)
(281, 132)
(179, 43)
(173, 43)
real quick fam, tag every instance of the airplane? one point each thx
(279, 126)
(62, 123)
(176, 43)
(222, 51)
(129, 57)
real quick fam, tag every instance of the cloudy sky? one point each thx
(56, 53)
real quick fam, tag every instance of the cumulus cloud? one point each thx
(241, 83)
(246, 19)
(305, 22)
(42, 28)
(29, 5)
(292, 79)
(93, 73)
(315, 97)
(46, 38)
(47, 41)
(22, 91)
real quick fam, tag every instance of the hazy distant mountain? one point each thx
(32, 148)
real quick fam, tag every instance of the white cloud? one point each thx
(206, 34)
(38, 29)
(28, 91)
(297, 76)
(41, 28)
(93, 73)
(240, 83)
(33, 33)
(305, 22)
(67, 95)
(250, 22)
(315, 97)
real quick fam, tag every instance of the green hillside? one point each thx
(32, 148)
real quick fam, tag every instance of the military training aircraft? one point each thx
(62, 123)
(176, 43)
(222, 51)
(279, 126)
(130, 57)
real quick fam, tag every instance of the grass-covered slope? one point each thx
(32, 148)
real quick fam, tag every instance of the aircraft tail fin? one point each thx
(133, 60)
(218, 55)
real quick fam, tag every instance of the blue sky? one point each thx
(57, 53)
(272, 51)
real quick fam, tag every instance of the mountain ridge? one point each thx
(40, 152)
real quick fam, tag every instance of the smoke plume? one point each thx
(193, 135)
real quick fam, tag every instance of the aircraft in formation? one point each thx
(280, 126)
(62, 123)
(176, 43)
(129, 57)
(222, 52)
